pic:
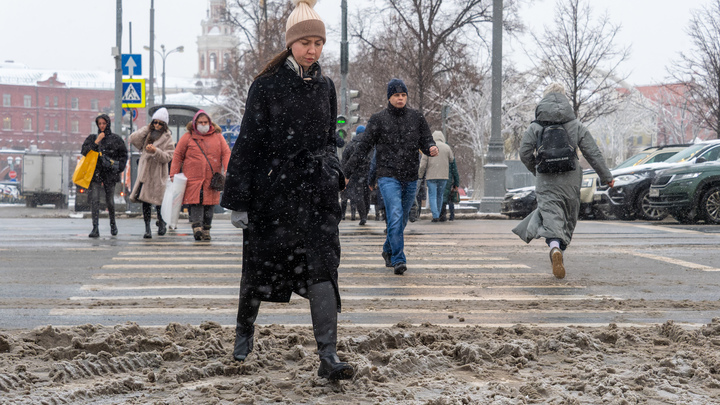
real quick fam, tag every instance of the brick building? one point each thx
(52, 110)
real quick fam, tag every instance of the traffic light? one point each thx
(352, 107)
(342, 126)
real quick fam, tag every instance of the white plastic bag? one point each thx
(172, 201)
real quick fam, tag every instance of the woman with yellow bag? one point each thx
(111, 162)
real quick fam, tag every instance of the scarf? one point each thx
(312, 72)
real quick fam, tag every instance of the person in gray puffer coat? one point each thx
(558, 194)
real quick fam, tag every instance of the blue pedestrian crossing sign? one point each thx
(131, 64)
(133, 93)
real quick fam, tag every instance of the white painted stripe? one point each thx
(660, 228)
(342, 266)
(294, 311)
(105, 287)
(212, 257)
(452, 325)
(669, 260)
(417, 298)
(155, 252)
(175, 259)
(344, 275)
(406, 243)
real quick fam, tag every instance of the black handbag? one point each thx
(217, 181)
(110, 165)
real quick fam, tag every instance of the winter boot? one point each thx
(323, 311)
(113, 225)
(148, 231)
(95, 233)
(197, 231)
(206, 232)
(248, 308)
(162, 225)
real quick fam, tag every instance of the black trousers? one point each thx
(96, 188)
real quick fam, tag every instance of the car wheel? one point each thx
(685, 218)
(710, 205)
(646, 211)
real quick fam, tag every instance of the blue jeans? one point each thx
(399, 197)
(436, 188)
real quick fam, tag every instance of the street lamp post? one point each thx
(164, 54)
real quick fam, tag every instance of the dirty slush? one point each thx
(403, 364)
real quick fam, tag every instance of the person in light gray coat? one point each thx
(558, 194)
(435, 170)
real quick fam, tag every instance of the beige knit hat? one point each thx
(303, 22)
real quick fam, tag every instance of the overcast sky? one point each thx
(79, 34)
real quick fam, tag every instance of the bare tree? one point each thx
(700, 67)
(428, 43)
(580, 53)
(470, 118)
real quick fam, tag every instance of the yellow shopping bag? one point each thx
(85, 169)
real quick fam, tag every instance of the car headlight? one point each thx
(685, 176)
(628, 179)
(587, 182)
(522, 194)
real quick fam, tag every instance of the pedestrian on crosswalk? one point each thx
(156, 148)
(282, 186)
(557, 187)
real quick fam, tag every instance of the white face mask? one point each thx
(203, 129)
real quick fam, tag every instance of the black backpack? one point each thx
(554, 152)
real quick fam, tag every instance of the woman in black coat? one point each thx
(107, 171)
(282, 183)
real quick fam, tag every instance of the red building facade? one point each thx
(52, 115)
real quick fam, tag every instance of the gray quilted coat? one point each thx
(558, 194)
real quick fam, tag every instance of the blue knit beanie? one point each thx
(360, 129)
(396, 86)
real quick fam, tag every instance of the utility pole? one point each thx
(151, 94)
(343, 60)
(117, 53)
(495, 163)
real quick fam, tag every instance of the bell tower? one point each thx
(217, 41)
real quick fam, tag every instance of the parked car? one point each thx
(588, 199)
(689, 193)
(519, 202)
(628, 199)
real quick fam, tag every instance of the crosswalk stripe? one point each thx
(342, 266)
(415, 298)
(346, 257)
(344, 275)
(102, 287)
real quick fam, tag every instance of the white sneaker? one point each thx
(556, 258)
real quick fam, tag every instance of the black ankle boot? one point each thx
(161, 224)
(323, 311)
(95, 233)
(148, 232)
(113, 227)
(248, 308)
(243, 343)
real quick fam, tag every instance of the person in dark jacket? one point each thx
(357, 188)
(107, 171)
(283, 191)
(451, 187)
(397, 132)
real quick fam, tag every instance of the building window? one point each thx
(47, 125)
(7, 123)
(27, 124)
(55, 125)
(75, 126)
(6, 100)
(94, 128)
(47, 101)
(27, 101)
(55, 101)
(213, 62)
(75, 103)
(94, 104)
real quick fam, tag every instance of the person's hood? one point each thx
(554, 107)
(107, 119)
(438, 136)
(192, 125)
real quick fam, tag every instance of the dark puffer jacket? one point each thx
(397, 134)
(111, 146)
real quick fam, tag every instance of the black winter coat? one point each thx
(397, 134)
(112, 146)
(285, 173)
(360, 175)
